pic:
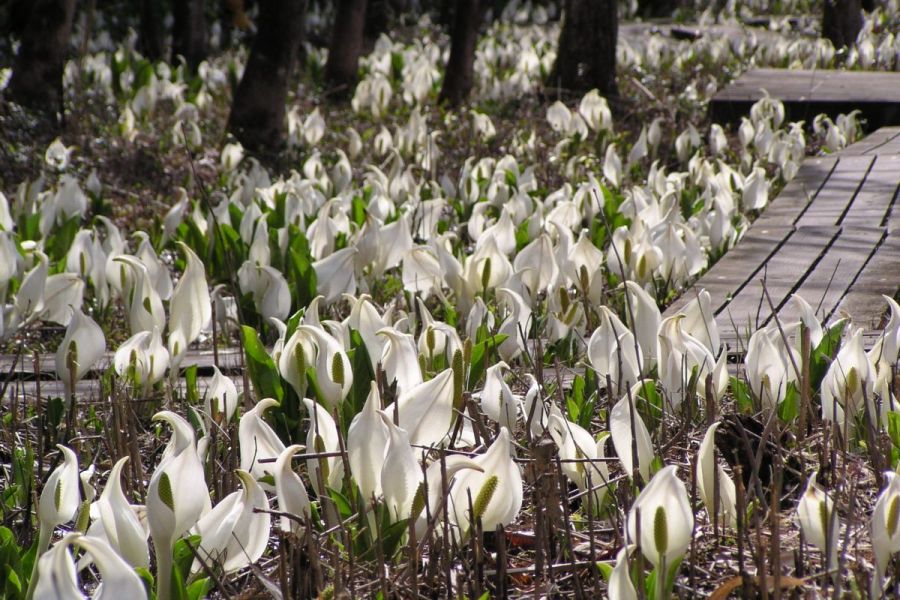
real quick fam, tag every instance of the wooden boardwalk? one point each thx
(806, 93)
(832, 236)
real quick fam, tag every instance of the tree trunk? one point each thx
(150, 40)
(189, 31)
(38, 68)
(652, 9)
(346, 45)
(258, 109)
(842, 21)
(459, 73)
(586, 58)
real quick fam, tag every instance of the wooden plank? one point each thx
(86, 390)
(798, 193)
(806, 93)
(877, 142)
(838, 193)
(835, 273)
(863, 304)
(804, 85)
(731, 273)
(872, 204)
(784, 272)
(230, 362)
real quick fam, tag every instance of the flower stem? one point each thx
(44, 534)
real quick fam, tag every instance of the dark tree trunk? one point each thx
(38, 68)
(842, 21)
(652, 9)
(346, 45)
(459, 73)
(258, 109)
(150, 40)
(189, 31)
(586, 57)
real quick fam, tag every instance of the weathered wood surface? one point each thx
(806, 93)
(831, 237)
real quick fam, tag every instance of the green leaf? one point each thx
(605, 569)
(893, 427)
(480, 352)
(148, 581)
(183, 556)
(824, 353)
(263, 372)
(345, 509)
(743, 397)
(789, 409)
(198, 589)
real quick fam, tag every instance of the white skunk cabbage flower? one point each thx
(818, 521)
(707, 471)
(57, 155)
(60, 498)
(117, 522)
(700, 322)
(57, 578)
(425, 410)
(190, 309)
(497, 400)
(682, 358)
(29, 300)
(755, 195)
(63, 295)
(258, 440)
(367, 442)
(322, 436)
(82, 346)
(399, 359)
(487, 268)
(612, 166)
(232, 154)
(886, 349)
(612, 350)
(516, 326)
(718, 143)
(233, 534)
(644, 316)
(623, 419)
(336, 274)
(290, 491)
(849, 382)
(559, 117)
(667, 523)
(768, 366)
(333, 373)
(270, 292)
(575, 444)
(582, 268)
(421, 272)
(496, 491)
(595, 111)
(145, 354)
(400, 471)
(885, 525)
(145, 307)
(176, 497)
(536, 265)
(313, 127)
(54, 576)
(221, 398)
(620, 585)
